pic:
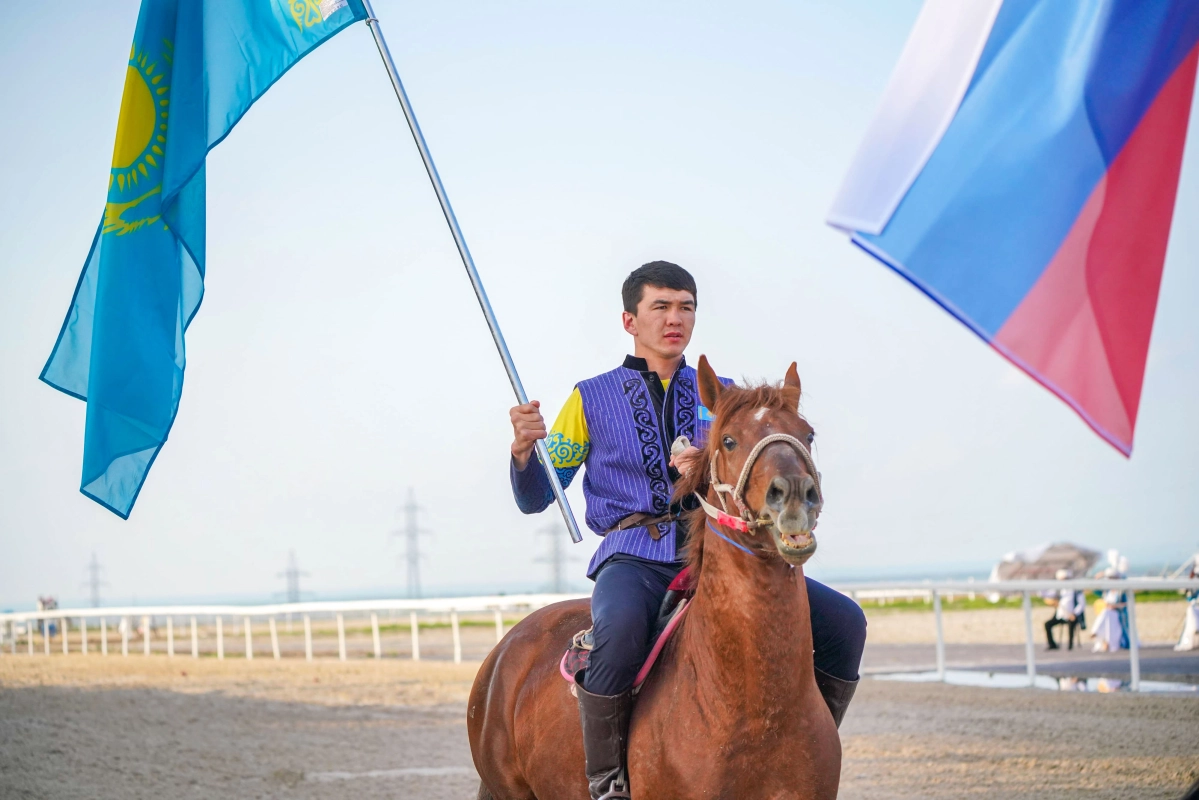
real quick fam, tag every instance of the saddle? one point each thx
(674, 605)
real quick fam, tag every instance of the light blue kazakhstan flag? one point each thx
(195, 67)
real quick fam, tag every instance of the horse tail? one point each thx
(484, 793)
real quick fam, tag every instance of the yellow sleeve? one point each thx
(569, 441)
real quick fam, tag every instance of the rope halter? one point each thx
(746, 522)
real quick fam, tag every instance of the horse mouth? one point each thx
(796, 546)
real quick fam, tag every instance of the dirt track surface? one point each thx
(84, 726)
(904, 740)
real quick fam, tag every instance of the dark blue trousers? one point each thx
(624, 608)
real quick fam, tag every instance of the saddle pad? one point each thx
(683, 582)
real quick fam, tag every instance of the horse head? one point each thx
(759, 467)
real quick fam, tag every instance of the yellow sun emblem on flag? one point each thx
(138, 154)
(309, 13)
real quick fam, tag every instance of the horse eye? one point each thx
(729, 443)
(811, 437)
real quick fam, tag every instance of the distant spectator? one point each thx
(47, 626)
(1190, 626)
(1071, 606)
(1111, 633)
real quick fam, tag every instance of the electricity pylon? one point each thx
(94, 581)
(557, 556)
(411, 533)
(293, 575)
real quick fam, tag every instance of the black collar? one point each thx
(638, 364)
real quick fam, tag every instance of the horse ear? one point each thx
(792, 382)
(792, 379)
(710, 386)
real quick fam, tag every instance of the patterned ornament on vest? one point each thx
(650, 440)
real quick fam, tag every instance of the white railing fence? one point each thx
(1026, 589)
(30, 624)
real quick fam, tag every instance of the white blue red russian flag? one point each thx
(1021, 171)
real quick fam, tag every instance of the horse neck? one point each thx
(750, 625)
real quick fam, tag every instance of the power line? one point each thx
(94, 581)
(293, 575)
(411, 533)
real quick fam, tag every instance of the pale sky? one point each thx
(340, 357)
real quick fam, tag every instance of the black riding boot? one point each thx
(837, 693)
(605, 739)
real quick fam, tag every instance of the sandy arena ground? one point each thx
(90, 726)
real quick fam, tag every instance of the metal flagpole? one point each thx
(468, 262)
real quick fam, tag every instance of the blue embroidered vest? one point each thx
(627, 469)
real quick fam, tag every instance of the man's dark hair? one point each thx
(655, 273)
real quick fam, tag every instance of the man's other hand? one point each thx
(527, 427)
(685, 460)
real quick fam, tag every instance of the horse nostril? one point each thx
(776, 495)
(811, 494)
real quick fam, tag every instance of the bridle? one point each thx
(746, 522)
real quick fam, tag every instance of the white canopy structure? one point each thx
(1043, 561)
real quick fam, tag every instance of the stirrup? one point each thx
(617, 790)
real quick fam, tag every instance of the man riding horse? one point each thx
(622, 426)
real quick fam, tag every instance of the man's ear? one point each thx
(792, 382)
(630, 322)
(710, 386)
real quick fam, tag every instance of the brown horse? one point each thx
(732, 709)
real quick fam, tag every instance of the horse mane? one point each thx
(733, 400)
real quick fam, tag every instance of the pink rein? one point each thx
(643, 673)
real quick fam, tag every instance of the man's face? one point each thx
(663, 322)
